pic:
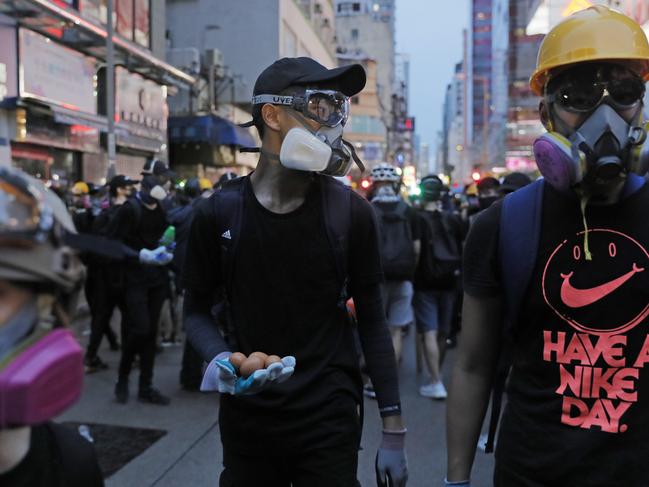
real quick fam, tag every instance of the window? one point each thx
(124, 10)
(354, 34)
(317, 8)
(289, 43)
(133, 20)
(142, 23)
(355, 100)
(356, 7)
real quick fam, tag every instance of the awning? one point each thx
(208, 129)
(71, 117)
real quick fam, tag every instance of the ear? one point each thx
(270, 115)
(545, 116)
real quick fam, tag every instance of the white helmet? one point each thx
(384, 172)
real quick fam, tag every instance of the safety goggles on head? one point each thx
(584, 88)
(24, 220)
(327, 107)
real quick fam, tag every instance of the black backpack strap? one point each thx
(336, 202)
(76, 456)
(518, 242)
(228, 208)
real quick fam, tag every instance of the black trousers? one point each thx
(322, 467)
(103, 302)
(142, 306)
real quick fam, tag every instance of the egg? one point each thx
(250, 365)
(261, 355)
(272, 359)
(236, 359)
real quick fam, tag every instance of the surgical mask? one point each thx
(41, 371)
(600, 150)
(385, 194)
(324, 151)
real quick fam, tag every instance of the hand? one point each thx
(222, 376)
(462, 483)
(391, 462)
(159, 256)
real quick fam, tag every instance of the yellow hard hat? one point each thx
(597, 33)
(80, 188)
(204, 184)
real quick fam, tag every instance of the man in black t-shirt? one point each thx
(140, 223)
(286, 295)
(578, 393)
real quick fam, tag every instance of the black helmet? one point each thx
(192, 188)
(432, 188)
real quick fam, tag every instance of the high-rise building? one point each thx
(367, 27)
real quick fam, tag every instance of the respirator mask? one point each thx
(605, 147)
(324, 150)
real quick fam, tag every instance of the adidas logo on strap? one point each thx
(227, 235)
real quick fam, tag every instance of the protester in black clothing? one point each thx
(107, 288)
(41, 363)
(140, 223)
(577, 409)
(512, 182)
(282, 269)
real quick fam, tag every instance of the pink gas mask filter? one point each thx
(41, 380)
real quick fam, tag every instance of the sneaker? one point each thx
(368, 390)
(434, 391)
(153, 396)
(94, 364)
(121, 392)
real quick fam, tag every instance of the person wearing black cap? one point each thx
(106, 287)
(512, 182)
(140, 223)
(285, 244)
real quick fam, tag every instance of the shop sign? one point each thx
(8, 74)
(53, 73)
(140, 101)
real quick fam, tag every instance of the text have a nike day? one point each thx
(595, 396)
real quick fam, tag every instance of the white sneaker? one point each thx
(434, 391)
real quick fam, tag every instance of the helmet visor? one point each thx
(23, 219)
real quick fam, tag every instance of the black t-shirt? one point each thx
(138, 229)
(578, 394)
(284, 300)
(51, 464)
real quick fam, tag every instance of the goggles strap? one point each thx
(273, 99)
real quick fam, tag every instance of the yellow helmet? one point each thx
(205, 184)
(80, 188)
(594, 34)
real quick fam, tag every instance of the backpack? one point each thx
(441, 257)
(228, 208)
(518, 244)
(396, 245)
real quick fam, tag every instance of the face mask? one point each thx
(385, 194)
(43, 378)
(323, 151)
(600, 150)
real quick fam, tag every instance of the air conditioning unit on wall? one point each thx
(214, 59)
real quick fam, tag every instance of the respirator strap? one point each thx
(269, 155)
(357, 159)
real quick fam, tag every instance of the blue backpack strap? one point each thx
(633, 184)
(336, 203)
(518, 244)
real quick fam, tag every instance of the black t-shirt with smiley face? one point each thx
(578, 395)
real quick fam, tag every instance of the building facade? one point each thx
(53, 87)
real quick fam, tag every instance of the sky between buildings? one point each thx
(431, 32)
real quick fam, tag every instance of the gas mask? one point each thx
(41, 369)
(152, 190)
(603, 148)
(324, 150)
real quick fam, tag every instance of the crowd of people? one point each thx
(297, 292)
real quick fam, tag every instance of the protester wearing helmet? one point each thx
(286, 244)
(400, 246)
(436, 279)
(41, 363)
(573, 298)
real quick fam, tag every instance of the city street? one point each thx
(189, 454)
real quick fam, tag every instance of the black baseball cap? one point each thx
(293, 71)
(514, 181)
(121, 181)
(156, 167)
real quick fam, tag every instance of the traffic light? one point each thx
(476, 176)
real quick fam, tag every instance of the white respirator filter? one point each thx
(303, 151)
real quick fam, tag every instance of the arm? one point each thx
(200, 327)
(471, 381)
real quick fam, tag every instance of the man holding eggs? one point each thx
(280, 251)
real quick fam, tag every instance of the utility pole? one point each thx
(110, 92)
